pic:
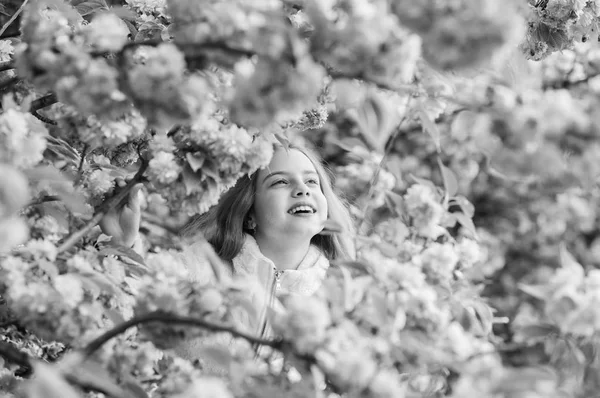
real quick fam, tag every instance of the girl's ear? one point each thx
(250, 222)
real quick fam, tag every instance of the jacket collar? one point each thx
(250, 258)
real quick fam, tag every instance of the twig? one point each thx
(102, 210)
(12, 19)
(7, 65)
(408, 89)
(43, 102)
(44, 118)
(44, 199)
(163, 317)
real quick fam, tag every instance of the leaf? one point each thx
(395, 201)
(568, 261)
(149, 31)
(375, 119)
(450, 180)
(467, 223)
(111, 249)
(484, 316)
(539, 292)
(534, 333)
(465, 206)
(63, 149)
(215, 355)
(429, 127)
(91, 6)
(283, 141)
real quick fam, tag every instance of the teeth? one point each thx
(301, 208)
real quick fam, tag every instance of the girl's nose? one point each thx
(301, 190)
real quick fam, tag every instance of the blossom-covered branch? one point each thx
(163, 317)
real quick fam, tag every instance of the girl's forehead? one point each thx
(291, 160)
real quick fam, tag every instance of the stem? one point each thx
(163, 317)
(12, 19)
(109, 204)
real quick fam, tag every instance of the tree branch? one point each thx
(12, 19)
(43, 102)
(7, 65)
(163, 317)
(109, 204)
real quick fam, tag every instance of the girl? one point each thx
(271, 227)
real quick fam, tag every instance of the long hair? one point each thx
(223, 225)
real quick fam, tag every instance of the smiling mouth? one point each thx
(302, 209)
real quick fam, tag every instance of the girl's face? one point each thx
(288, 200)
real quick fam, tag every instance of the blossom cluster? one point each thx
(274, 90)
(557, 24)
(354, 178)
(361, 38)
(215, 21)
(161, 89)
(201, 161)
(22, 136)
(459, 34)
(53, 56)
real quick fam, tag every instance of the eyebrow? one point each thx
(305, 172)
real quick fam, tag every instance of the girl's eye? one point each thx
(279, 182)
(313, 181)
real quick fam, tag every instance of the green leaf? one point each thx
(449, 178)
(534, 333)
(91, 6)
(467, 223)
(568, 261)
(283, 141)
(62, 149)
(111, 249)
(485, 316)
(465, 206)
(539, 292)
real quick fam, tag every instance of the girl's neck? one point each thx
(284, 255)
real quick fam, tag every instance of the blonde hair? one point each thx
(225, 229)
